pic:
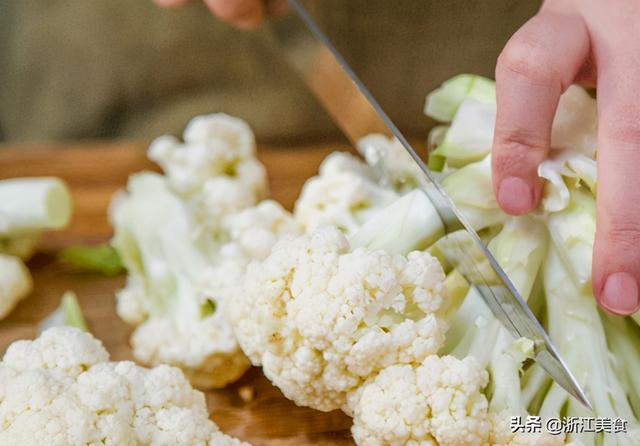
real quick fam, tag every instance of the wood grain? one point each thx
(94, 171)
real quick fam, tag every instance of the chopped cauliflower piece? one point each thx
(15, 284)
(343, 194)
(185, 239)
(166, 254)
(60, 390)
(438, 401)
(321, 318)
(215, 167)
(28, 207)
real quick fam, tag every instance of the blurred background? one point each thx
(124, 69)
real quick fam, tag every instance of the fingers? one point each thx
(616, 264)
(245, 14)
(538, 63)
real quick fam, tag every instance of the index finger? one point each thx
(537, 65)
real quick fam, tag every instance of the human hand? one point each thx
(585, 41)
(244, 14)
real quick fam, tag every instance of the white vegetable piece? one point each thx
(15, 283)
(345, 193)
(321, 318)
(443, 102)
(471, 190)
(32, 205)
(60, 390)
(440, 401)
(185, 239)
(470, 135)
(215, 168)
(166, 253)
(410, 222)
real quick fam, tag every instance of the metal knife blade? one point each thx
(357, 113)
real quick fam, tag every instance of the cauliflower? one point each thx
(28, 207)
(61, 390)
(547, 256)
(166, 253)
(344, 194)
(321, 317)
(15, 284)
(255, 230)
(438, 401)
(215, 168)
(185, 239)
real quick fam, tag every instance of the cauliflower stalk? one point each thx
(61, 390)
(184, 251)
(28, 207)
(547, 255)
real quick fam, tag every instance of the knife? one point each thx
(357, 113)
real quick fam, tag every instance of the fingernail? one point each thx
(515, 196)
(620, 294)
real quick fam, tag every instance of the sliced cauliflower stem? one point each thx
(60, 390)
(28, 207)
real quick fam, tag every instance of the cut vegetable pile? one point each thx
(347, 302)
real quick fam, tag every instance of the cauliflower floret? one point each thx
(60, 390)
(214, 145)
(321, 319)
(181, 277)
(255, 230)
(215, 168)
(343, 194)
(438, 402)
(15, 284)
(166, 254)
(206, 350)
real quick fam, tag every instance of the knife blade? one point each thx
(353, 108)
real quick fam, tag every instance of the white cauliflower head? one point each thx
(181, 277)
(60, 390)
(255, 230)
(15, 283)
(439, 402)
(215, 167)
(343, 194)
(167, 253)
(321, 318)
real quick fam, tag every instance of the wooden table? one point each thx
(94, 172)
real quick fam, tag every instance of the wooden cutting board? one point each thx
(94, 171)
